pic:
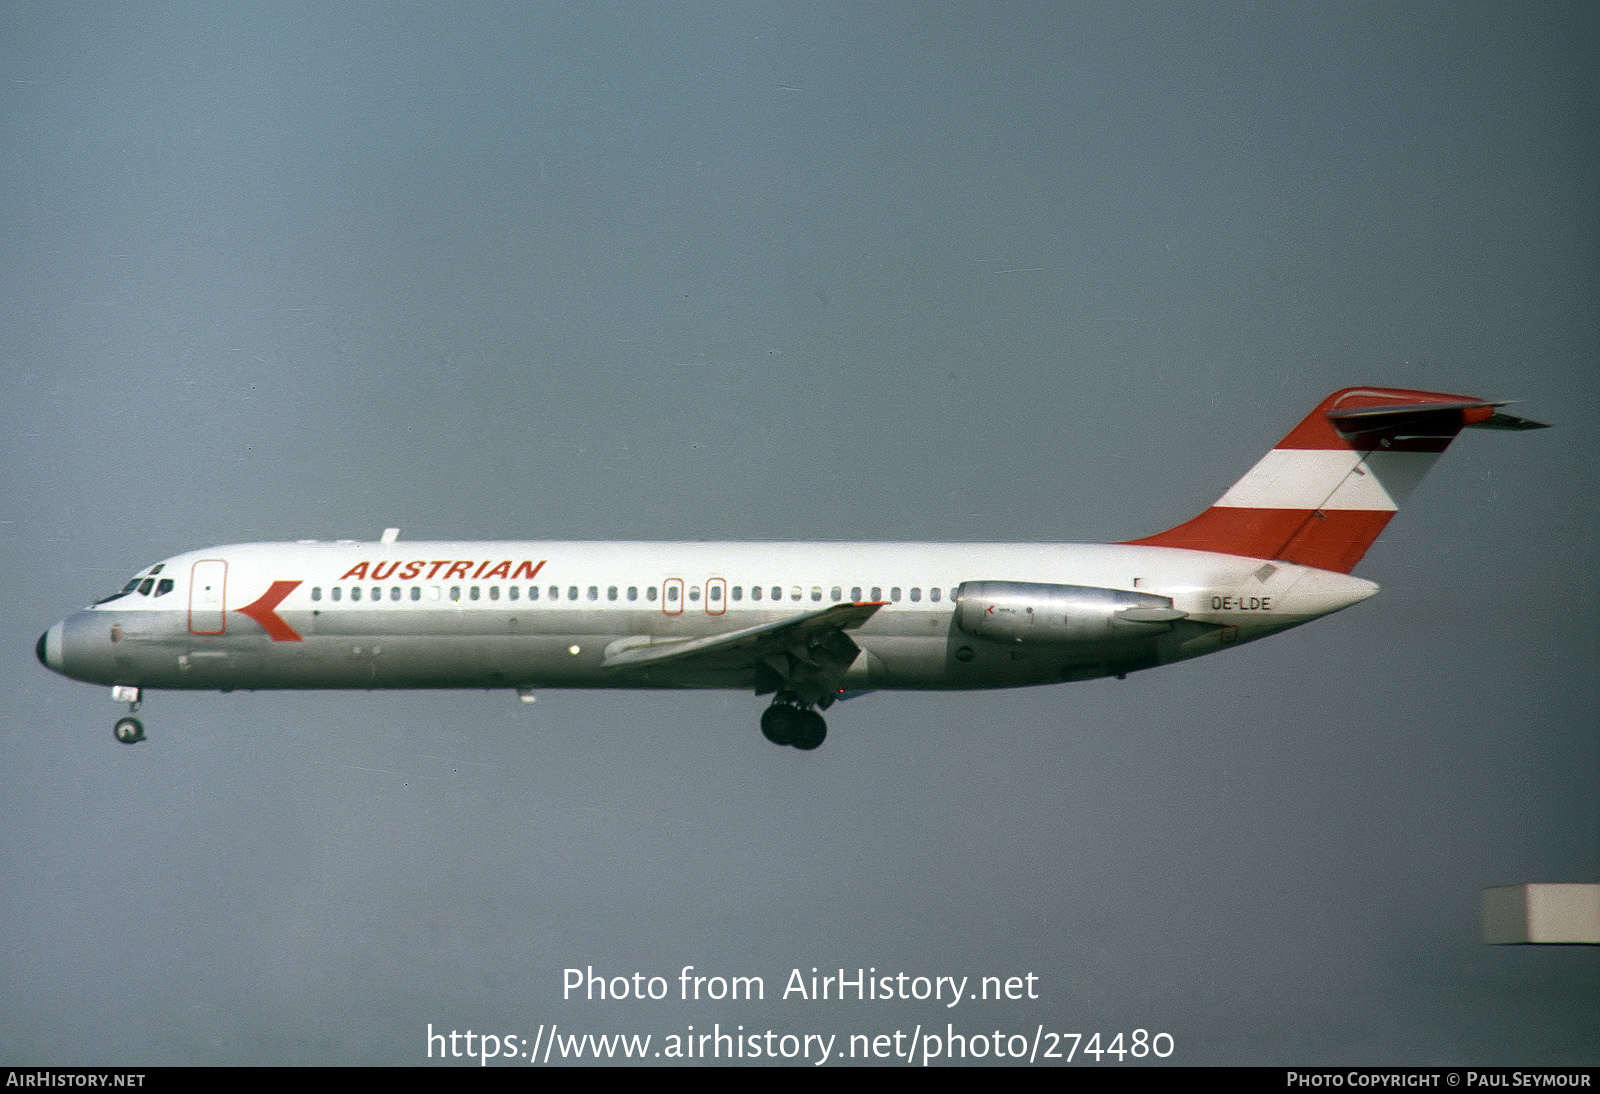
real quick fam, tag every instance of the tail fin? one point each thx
(1328, 489)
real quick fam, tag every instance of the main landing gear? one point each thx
(128, 730)
(786, 722)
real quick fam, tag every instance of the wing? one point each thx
(750, 644)
(806, 653)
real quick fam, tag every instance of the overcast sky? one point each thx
(954, 272)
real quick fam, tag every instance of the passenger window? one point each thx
(933, 594)
(336, 592)
(594, 592)
(755, 592)
(714, 594)
(555, 592)
(738, 592)
(650, 593)
(572, 592)
(316, 592)
(836, 594)
(794, 592)
(394, 592)
(816, 592)
(513, 591)
(416, 592)
(672, 594)
(455, 592)
(694, 593)
(533, 592)
(494, 592)
(355, 592)
(916, 593)
(633, 592)
(473, 593)
(611, 593)
(855, 592)
(894, 593)
(877, 592)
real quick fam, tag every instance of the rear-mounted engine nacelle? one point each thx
(1023, 611)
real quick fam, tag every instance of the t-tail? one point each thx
(1331, 486)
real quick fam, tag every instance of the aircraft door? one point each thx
(207, 583)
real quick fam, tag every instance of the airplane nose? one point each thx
(48, 649)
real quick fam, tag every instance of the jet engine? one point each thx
(1032, 612)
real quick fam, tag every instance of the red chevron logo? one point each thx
(271, 622)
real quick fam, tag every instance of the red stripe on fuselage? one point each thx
(262, 611)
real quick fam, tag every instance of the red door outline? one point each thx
(721, 600)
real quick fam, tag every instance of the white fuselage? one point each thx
(562, 614)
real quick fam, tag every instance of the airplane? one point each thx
(807, 623)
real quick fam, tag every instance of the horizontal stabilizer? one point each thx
(1427, 419)
(1502, 420)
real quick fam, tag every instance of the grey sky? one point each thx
(1036, 272)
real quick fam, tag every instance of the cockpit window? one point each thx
(164, 586)
(146, 585)
(124, 591)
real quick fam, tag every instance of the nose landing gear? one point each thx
(786, 722)
(128, 730)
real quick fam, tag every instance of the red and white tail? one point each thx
(1325, 492)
